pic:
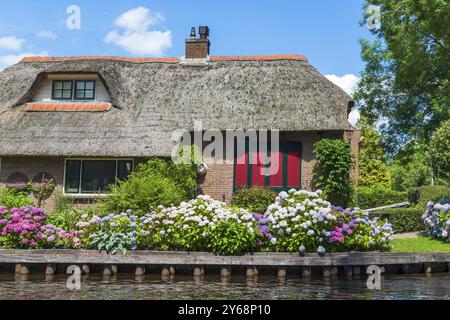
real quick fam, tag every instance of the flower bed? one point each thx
(437, 220)
(297, 221)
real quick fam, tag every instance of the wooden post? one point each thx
(198, 272)
(427, 267)
(172, 271)
(114, 269)
(326, 272)
(107, 270)
(140, 271)
(165, 272)
(85, 269)
(281, 273)
(306, 272)
(50, 269)
(22, 269)
(250, 272)
(225, 272)
(255, 271)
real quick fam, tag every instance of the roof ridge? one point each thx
(169, 60)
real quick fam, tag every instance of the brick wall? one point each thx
(31, 166)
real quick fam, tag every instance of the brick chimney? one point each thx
(198, 48)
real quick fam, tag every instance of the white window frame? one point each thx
(91, 195)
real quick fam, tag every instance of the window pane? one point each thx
(97, 176)
(68, 85)
(72, 176)
(58, 85)
(89, 94)
(79, 94)
(90, 85)
(67, 94)
(124, 170)
(80, 85)
(57, 94)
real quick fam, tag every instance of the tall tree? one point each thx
(406, 81)
(373, 168)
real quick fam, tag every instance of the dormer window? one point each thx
(62, 90)
(84, 90)
(73, 90)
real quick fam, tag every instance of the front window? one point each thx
(84, 90)
(73, 90)
(94, 176)
(62, 90)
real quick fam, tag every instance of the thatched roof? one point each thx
(153, 97)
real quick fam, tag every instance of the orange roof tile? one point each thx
(260, 58)
(143, 60)
(67, 107)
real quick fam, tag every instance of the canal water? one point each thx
(127, 287)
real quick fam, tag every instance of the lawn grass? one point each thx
(420, 244)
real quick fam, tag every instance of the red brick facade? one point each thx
(218, 182)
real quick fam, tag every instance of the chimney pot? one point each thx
(198, 48)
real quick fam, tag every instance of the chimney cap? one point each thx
(204, 31)
(193, 33)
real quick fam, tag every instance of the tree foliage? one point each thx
(373, 168)
(439, 151)
(407, 76)
(332, 172)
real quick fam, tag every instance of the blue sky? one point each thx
(326, 31)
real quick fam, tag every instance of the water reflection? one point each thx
(154, 287)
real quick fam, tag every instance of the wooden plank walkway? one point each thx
(153, 258)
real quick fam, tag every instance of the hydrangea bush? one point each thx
(202, 224)
(303, 221)
(437, 220)
(26, 227)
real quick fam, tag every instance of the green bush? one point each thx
(332, 171)
(403, 219)
(65, 219)
(255, 199)
(183, 175)
(142, 193)
(376, 196)
(421, 195)
(10, 198)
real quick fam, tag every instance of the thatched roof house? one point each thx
(130, 107)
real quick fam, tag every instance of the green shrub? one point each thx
(63, 203)
(143, 193)
(9, 198)
(183, 175)
(255, 199)
(421, 195)
(332, 171)
(376, 196)
(65, 219)
(403, 219)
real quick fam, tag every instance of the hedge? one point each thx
(421, 195)
(403, 219)
(372, 197)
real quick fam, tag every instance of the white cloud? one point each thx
(136, 37)
(46, 34)
(9, 60)
(348, 83)
(11, 43)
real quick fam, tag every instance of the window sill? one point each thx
(86, 196)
